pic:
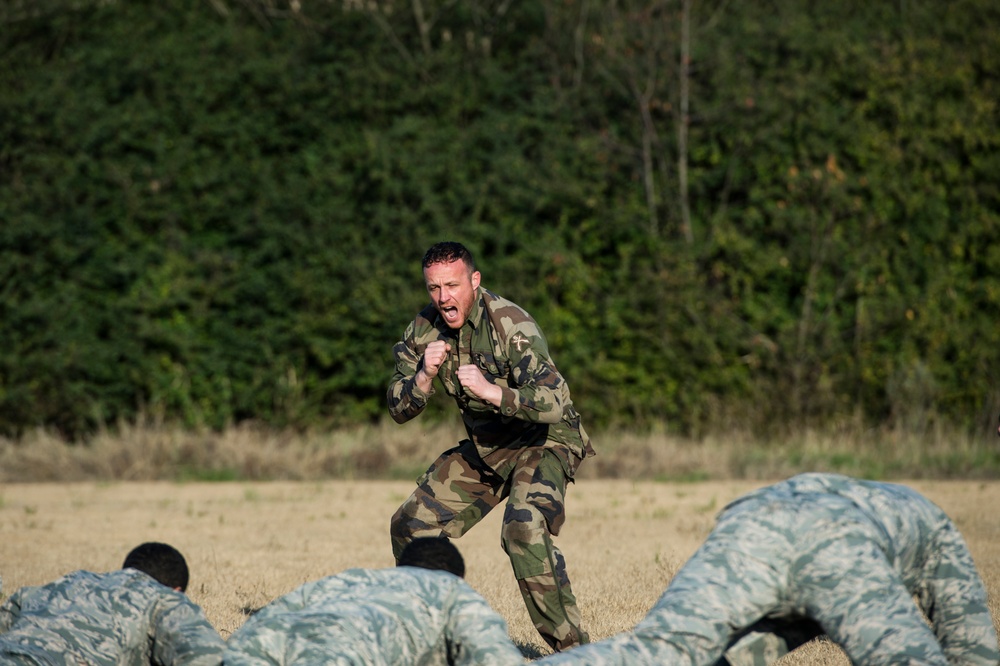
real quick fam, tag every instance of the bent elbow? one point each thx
(399, 417)
(550, 418)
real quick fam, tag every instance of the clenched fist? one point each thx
(434, 356)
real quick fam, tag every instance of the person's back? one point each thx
(907, 526)
(393, 616)
(907, 520)
(124, 617)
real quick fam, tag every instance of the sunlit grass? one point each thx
(393, 452)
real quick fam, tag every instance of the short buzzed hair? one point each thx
(446, 252)
(161, 561)
(437, 553)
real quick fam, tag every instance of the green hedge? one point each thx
(214, 212)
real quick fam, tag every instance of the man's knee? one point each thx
(404, 525)
(525, 538)
(523, 524)
(399, 523)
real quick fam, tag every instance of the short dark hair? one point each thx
(161, 561)
(447, 252)
(437, 553)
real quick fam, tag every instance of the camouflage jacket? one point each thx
(398, 616)
(511, 351)
(123, 617)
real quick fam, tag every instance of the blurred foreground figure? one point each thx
(136, 616)
(817, 554)
(419, 612)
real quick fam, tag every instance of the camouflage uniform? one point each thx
(850, 555)
(124, 618)
(526, 451)
(391, 617)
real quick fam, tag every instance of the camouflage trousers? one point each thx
(459, 490)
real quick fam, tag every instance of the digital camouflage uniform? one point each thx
(123, 618)
(403, 616)
(849, 555)
(525, 451)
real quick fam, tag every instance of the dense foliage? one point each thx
(213, 211)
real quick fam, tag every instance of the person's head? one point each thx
(437, 553)
(452, 280)
(161, 561)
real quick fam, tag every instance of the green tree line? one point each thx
(722, 214)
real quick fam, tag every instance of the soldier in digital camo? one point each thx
(136, 616)
(817, 553)
(419, 613)
(525, 440)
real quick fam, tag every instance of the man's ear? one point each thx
(476, 277)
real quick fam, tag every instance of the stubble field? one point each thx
(247, 543)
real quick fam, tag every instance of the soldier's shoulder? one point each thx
(505, 311)
(74, 579)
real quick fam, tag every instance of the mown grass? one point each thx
(150, 452)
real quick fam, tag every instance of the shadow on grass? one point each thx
(530, 651)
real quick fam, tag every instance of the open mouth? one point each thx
(450, 313)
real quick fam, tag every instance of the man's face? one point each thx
(452, 290)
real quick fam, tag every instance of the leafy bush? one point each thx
(214, 213)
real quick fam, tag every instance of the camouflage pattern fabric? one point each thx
(510, 350)
(503, 456)
(393, 617)
(770, 639)
(124, 617)
(454, 495)
(851, 555)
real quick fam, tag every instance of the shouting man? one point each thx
(525, 440)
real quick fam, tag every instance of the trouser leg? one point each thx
(534, 514)
(455, 493)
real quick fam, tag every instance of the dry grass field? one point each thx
(248, 542)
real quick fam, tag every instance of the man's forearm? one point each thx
(406, 399)
(423, 381)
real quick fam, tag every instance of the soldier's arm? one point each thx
(477, 634)
(182, 635)
(535, 388)
(301, 598)
(407, 396)
(955, 600)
